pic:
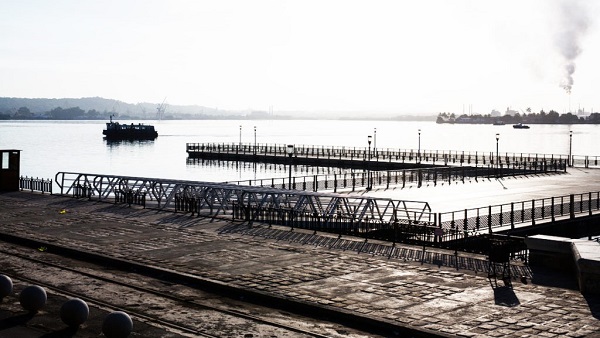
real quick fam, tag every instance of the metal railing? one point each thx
(525, 212)
(35, 184)
(436, 157)
(585, 161)
(410, 222)
(212, 199)
(353, 181)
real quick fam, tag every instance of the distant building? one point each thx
(510, 112)
(495, 113)
(583, 113)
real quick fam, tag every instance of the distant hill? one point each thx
(144, 110)
(98, 108)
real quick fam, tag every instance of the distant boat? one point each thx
(499, 123)
(520, 126)
(118, 131)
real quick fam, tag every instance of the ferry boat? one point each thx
(118, 131)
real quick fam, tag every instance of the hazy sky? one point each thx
(394, 56)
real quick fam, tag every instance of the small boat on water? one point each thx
(118, 131)
(499, 123)
(520, 126)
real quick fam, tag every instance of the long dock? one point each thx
(373, 159)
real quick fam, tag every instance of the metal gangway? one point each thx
(223, 199)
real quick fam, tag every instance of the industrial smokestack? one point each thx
(574, 22)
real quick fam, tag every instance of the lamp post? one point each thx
(375, 142)
(419, 150)
(254, 140)
(240, 135)
(497, 154)
(368, 162)
(570, 161)
(290, 151)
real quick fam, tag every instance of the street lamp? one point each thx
(375, 142)
(290, 151)
(497, 154)
(419, 151)
(570, 161)
(254, 140)
(240, 135)
(368, 162)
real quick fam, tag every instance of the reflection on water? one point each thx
(113, 144)
(272, 169)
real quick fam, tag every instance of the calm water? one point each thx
(77, 146)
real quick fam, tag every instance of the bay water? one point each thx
(48, 147)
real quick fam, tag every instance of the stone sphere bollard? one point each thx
(117, 324)
(6, 286)
(33, 298)
(74, 312)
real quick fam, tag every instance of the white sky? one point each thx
(395, 56)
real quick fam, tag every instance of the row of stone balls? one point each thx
(73, 312)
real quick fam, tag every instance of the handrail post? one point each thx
(465, 226)
(532, 212)
(552, 210)
(572, 206)
(512, 215)
(490, 219)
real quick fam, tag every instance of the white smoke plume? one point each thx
(574, 22)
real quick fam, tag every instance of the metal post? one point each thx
(497, 154)
(419, 151)
(369, 162)
(375, 141)
(290, 152)
(240, 135)
(570, 161)
(254, 140)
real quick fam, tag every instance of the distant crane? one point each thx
(160, 110)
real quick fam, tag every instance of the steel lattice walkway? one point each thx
(212, 199)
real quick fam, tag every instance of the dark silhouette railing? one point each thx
(512, 214)
(435, 157)
(352, 181)
(35, 184)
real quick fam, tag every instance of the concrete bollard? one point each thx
(74, 312)
(6, 286)
(33, 298)
(117, 324)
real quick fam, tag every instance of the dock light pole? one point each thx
(290, 151)
(497, 154)
(368, 164)
(375, 142)
(254, 140)
(240, 135)
(419, 150)
(570, 161)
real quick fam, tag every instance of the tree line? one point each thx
(551, 117)
(58, 113)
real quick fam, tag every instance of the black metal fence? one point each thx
(403, 178)
(35, 184)
(435, 157)
(423, 233)
(585, 161)
(515, 213)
